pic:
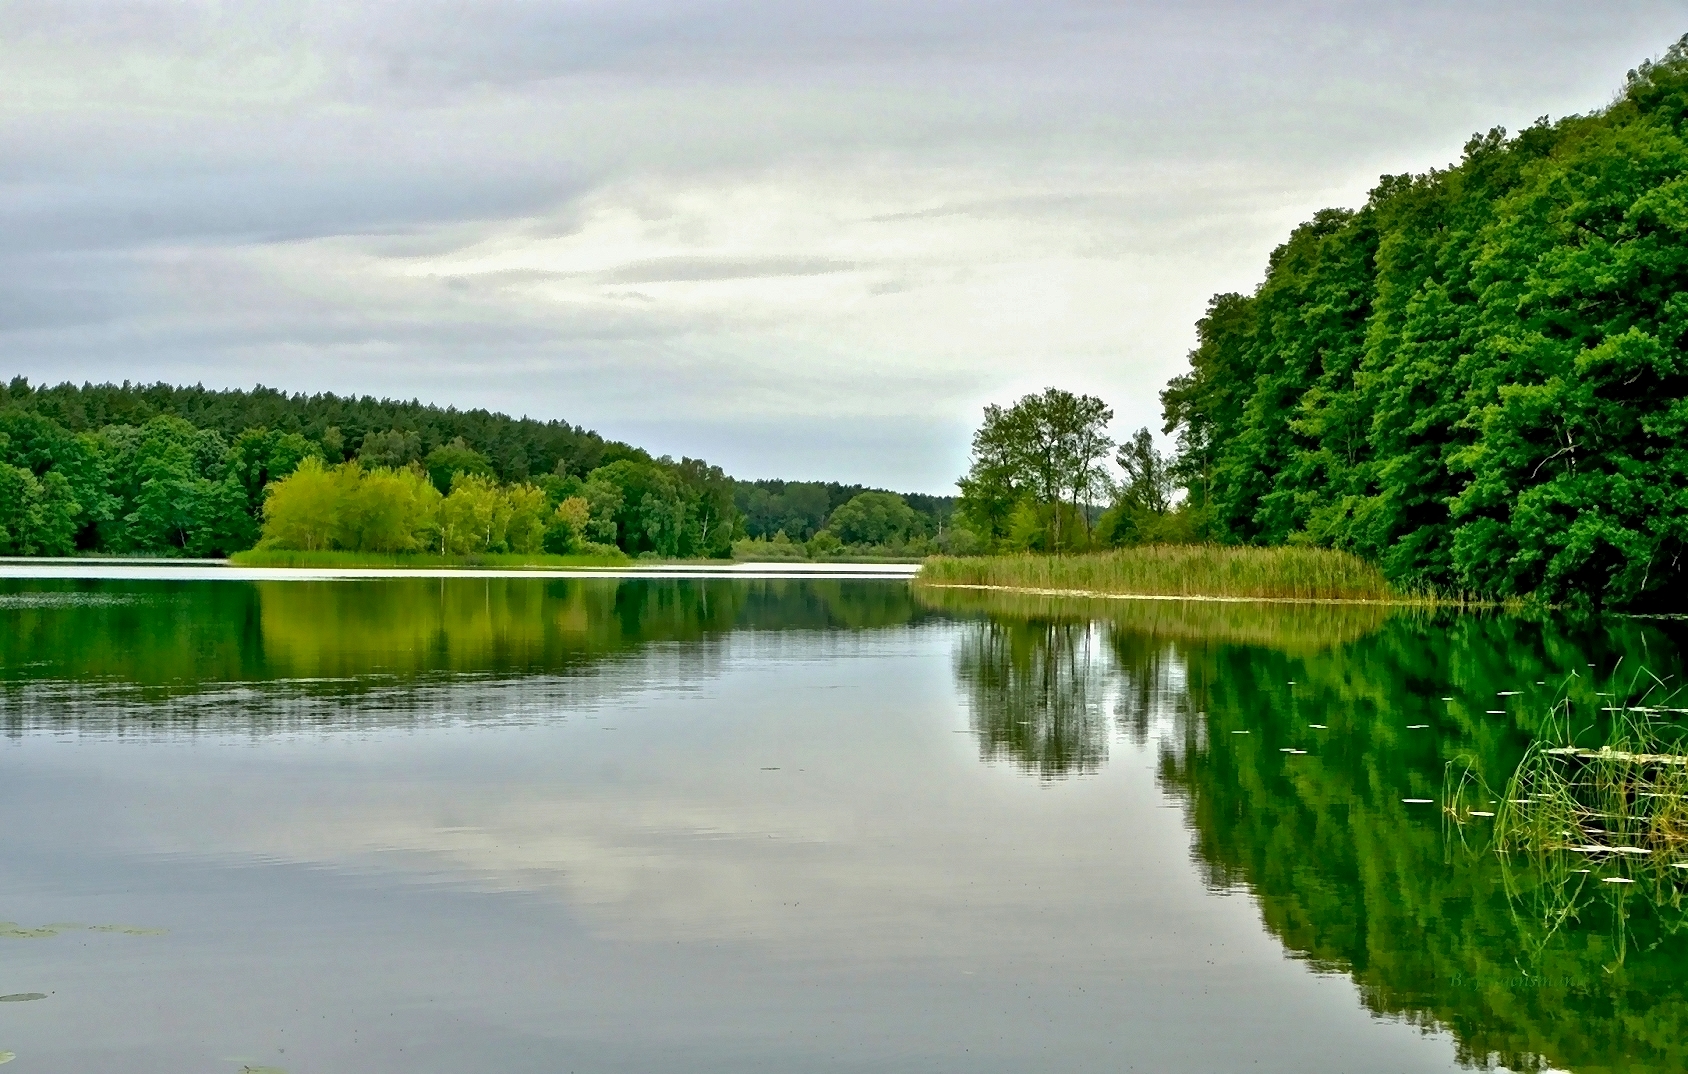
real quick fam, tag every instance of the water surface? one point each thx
(701, 824)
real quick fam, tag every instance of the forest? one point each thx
(1477, 379)
(166, 471)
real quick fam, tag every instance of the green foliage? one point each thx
(565, 530)
(392, 449)
(259, 456)
(445, 462)
(37, 514)
(1476, 380)
(882, 518)
(1028, 459)
(169, 487)
(517, 448)
(801, 508)
(387, 511)
(303, 510)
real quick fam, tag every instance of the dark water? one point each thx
(525, 825)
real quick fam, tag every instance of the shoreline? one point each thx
(221, 570)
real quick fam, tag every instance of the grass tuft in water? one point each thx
(1625, 797)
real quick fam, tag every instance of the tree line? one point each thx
(1477, 381)
(122, 469)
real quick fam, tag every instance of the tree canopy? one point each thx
(1477, 379)
(1036, 466)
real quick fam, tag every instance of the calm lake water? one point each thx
(514, 825)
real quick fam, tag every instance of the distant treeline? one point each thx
(801, 509)
(160, 470)
(1478, 379)
(515, 448)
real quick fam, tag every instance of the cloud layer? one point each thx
(800, 240)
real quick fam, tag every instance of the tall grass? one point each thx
(272, 557)
(1628, 796)
(1217, 571)
(1591, 822)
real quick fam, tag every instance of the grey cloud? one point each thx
(176, 174)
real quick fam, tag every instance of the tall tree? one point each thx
(1048, 448)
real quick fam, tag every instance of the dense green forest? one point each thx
(159, 470)
(1477, 379)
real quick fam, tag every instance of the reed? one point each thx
(1211, 571)
(1619, 801)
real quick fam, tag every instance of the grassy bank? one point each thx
(1242, 573)
(279, 558)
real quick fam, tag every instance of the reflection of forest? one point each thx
(1431, 925)
(165, 650)
(1037, 689)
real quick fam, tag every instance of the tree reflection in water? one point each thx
(1531, 964)
(1038, 693)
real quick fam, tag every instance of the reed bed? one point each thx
(1196, 571)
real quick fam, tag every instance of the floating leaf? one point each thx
(22, 997)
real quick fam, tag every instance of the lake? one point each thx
(797, 824)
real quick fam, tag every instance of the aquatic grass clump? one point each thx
(1196, 570)
(1624, 798)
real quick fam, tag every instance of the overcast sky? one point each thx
(805, 240)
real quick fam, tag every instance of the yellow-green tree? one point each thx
(390, 511)
(529, 513)
(302, 511)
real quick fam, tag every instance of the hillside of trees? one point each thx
(1477, 379)
(161, 470)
